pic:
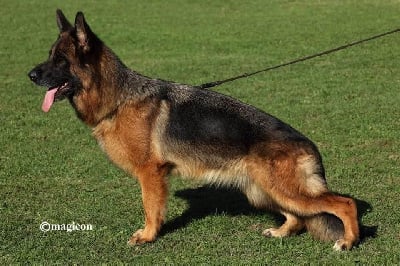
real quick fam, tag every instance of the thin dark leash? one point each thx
(245, 75)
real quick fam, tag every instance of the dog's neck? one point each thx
(98, 99)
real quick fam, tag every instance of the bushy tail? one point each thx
(325, 227)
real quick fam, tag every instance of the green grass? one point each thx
(348, 103)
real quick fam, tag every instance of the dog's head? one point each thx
(68, 67)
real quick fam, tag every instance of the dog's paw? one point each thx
(342, 244)
(140, 237)
(136, 238)
(272, 232)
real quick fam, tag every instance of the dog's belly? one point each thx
(229, 173)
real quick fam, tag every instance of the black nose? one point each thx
(33, 75)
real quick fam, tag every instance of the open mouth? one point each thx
(52, 94)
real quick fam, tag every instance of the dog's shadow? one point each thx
(207, 201)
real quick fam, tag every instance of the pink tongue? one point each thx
(48, 99)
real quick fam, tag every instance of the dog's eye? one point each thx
(60, 60)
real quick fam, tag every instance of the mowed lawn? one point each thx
(52, 170)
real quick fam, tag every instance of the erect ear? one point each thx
(62, 22)
(84, 34)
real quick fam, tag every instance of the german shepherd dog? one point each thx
(151, 128)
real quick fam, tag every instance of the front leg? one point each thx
(153, 183)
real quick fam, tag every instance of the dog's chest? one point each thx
(125, 141)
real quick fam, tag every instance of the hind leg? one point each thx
(286, 188)
(342, 207)
(346, 210)
(291, 226)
